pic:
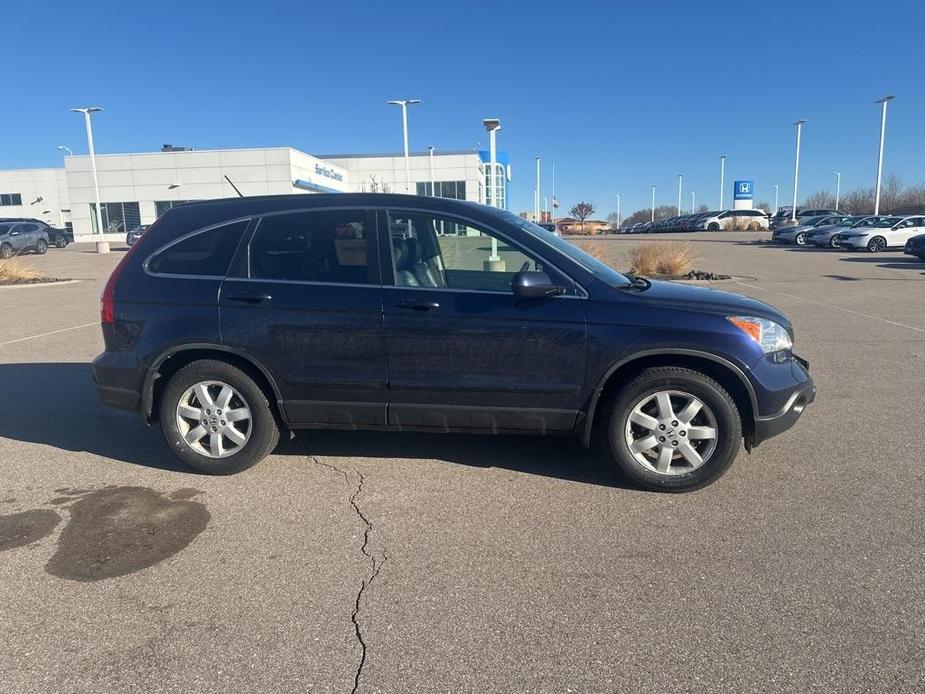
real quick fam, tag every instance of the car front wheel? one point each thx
(672, 429)
(216, 419)
(876, 244)
(800, 239)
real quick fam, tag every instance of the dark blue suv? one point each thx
(231, 319)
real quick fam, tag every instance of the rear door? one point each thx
(905, 230)
(464, 352)
(304, 301)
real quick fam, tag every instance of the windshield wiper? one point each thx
(637, 282)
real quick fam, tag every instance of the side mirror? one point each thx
(534, 285)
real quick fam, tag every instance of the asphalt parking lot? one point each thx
(424, 563)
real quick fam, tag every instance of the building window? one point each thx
(118, 217)
(10, 199)
(161, 206)
(444, 189)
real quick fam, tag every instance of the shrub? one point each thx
(17, 270)
(662, 258)
(741, 224)
(596, 250)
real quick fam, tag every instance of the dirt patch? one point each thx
(36, 280)
(19, 529)
(120, 530)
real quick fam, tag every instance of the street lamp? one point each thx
(653, 203)
(776, 194)
(883, 102)
(545, 209)
(618, 211)
(722, 179)
(796, 169)
(102, 246)
(680, 181)
(837, 188)
(404, 128)
(493, 125)
(65, 148)
(433, 189)
(536, 202)
(693, 202)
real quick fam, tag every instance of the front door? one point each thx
(305, 301)
(464, 352)
(905, 230)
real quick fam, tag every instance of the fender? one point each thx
(599, 388)
(147, 393)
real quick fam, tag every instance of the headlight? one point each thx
(770, 336)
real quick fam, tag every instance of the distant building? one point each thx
(570, 225)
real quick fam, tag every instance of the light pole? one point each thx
(404, 129)
(680, 181)
(653, 203)
(493, 125)
(545, 209)
(102, 246)
(618, 212)
(693, 202)
(883, 102)
(536, 203)
(66, 150)
(796, 169)
(837, 188)
(776, 194)
(722, 179)
(433, 189)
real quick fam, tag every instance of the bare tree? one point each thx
(581, 211)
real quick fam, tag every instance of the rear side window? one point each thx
(317, 246)
(206, 254)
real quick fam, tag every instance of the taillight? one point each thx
(108, 298)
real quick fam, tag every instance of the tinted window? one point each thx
(318, 246)
(207, 253)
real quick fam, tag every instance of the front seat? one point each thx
(423, 272)
(404, 277)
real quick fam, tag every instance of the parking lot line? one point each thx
(834, 307)
(51, 332)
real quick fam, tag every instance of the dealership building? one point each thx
(136, 189)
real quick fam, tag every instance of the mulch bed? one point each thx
(699, 275)
(37, 280)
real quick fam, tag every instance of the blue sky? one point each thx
(621, 95)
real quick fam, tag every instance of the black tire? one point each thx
(41, 247)
(618, 409)
(800, 239)
(60, 243)
(6, 251)
(713, 227)
(876, 244)
(264, 432)
(833, 243)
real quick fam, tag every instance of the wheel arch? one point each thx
(171, 361)
(723, 371)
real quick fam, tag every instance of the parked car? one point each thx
(803, 216)
(20, 237)
(134, 234)
(799, 234)
(888, 232)
(230, 319)
(916, 246)
(826, 236)
(753, 219)
(56, 237)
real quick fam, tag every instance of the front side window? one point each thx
(206, 254)
(318, 246)
(424, 255)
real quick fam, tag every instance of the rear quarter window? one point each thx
(204, 254)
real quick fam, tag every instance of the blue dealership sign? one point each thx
(743, 190)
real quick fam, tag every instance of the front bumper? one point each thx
(802, 395)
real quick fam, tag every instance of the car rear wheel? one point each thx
(713, 227)
(41, 247)
(6, 251)
(60, 242)
(216, 419)
(672, 429)
(876, 244)
(833, 242)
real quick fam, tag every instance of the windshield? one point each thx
(600, 270)
(864, 221)
(887, 222)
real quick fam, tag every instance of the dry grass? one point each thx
(17, 270)
(741, 224)
(662, 258)
(596, 250)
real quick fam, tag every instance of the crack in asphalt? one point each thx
(375, 565)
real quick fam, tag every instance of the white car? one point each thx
(750, 219)
(889, 232)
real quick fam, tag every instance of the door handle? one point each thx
(418, 305)
(254, 298)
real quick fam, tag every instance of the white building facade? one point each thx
(136, 189)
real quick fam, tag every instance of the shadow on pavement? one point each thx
(889, 262)
(55, 404)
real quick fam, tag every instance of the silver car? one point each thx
(826, 236)
(19, 237)
(889, 232)
(799, 234)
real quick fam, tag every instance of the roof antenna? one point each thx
(233, 186)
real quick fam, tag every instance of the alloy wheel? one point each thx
(877, 244)
(214, 419)
(671, 432)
